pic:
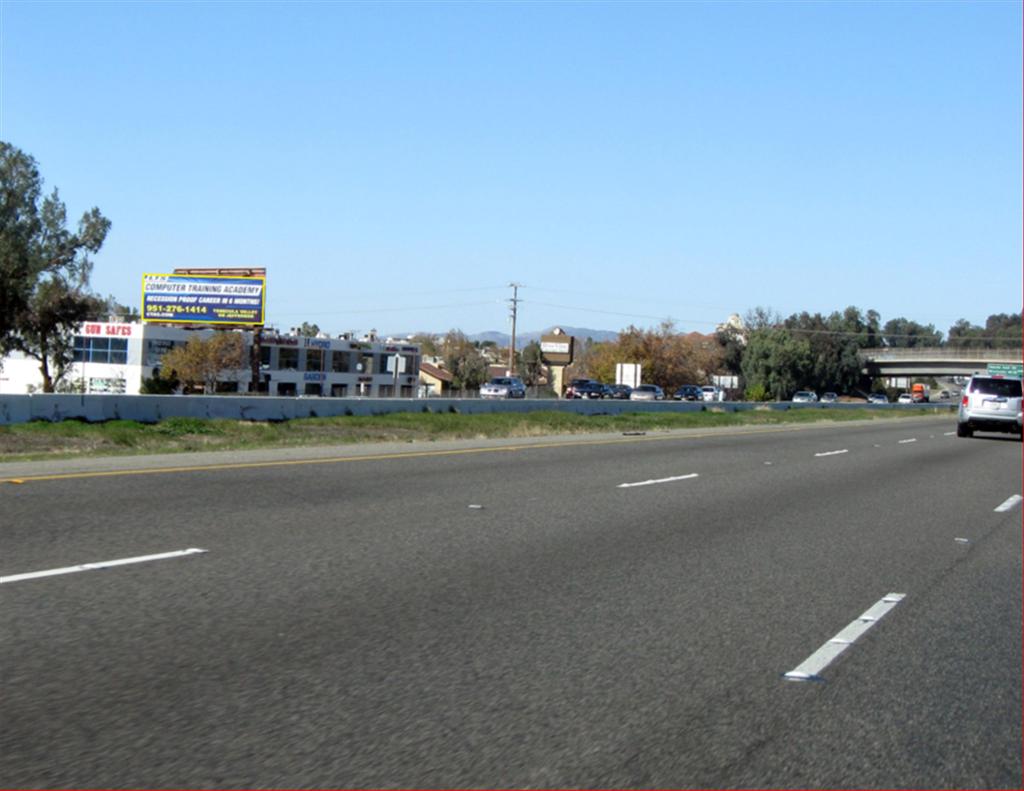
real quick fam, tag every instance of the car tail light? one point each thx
(964, 401)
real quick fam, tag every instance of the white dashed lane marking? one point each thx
(832, 452)
(658, 480)
(810, 669)
(1009, 503)
(103, 564)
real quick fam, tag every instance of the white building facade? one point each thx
(112, 357)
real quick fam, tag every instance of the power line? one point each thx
(878, 331)
(345, 312)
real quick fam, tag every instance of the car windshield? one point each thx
(1003, 388)
(500, 381)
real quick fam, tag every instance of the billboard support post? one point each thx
(255, 360)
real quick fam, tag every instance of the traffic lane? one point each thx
(554, 595)
(679, 712)
(938, 698)
(62, 522)
(347, 512)
(376, 536)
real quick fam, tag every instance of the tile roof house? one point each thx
(436, 381)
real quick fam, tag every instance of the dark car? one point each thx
(688, 393)
(588, 389)
(618, 391)
(570, 391)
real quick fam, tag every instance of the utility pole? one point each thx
(514, 302)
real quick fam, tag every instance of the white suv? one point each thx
(990, 403)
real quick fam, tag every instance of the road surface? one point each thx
(568, 612)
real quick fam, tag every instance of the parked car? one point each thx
(570, 391)
(829, 398)
(688, 393)
(504, 387)
(990, 403)
(905, 398)
(589, 389)
(647, 393)
(618, 391)
(944, 395)
(804, 397)
(712, 393)
(878, 398)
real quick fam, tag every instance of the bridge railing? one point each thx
(934, 353)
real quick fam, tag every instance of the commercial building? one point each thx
(114, 357)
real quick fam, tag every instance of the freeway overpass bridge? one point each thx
(935, 361)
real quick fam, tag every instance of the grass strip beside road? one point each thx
(41, 440)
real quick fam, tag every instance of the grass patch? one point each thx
(43, 440)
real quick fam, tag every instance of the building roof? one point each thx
(437, 373)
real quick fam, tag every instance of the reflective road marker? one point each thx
(811, 668)
(103, 564)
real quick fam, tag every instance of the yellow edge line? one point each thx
(386, 456)
(339, 459)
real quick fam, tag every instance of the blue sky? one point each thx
(396, 165)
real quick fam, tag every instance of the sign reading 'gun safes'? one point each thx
(203, 299)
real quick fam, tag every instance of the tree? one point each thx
(109, 309)
(20, 227)
(1004, 329)
(776, 363)
(308, 330)
(1001, 331)
(833, 344)
(427, 343)
(531, 364)
(667, 358)
(47, 326)
(731, 342)
(204, 362)
(44, 268)
(463, 361)
(907, 334)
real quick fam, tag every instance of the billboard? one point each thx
(203, 299)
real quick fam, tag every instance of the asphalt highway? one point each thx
(619, 611)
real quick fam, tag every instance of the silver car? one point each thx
(647, 393)
(990, 403)
(804, 397)
(504, 387)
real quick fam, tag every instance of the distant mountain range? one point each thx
(523, 338)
